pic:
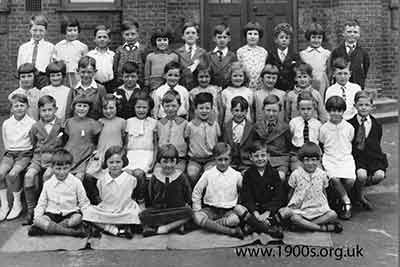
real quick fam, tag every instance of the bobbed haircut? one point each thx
(141, 95)
(56, 67)
(69, 22)
(115, 150)
(309, 150)
(160, 33)
(253, 26)
(314, 29)
(27, 68)
(167, 151)
(335, 103)
(202, 98)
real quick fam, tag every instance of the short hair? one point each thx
(160, 33)
(129, 24)
(46, 99)
(167, 151)
(253, 26)
(305, 96)
(62, 157)
(238, 66)
(191, 24)
(112, 150)
(335, 103)
(270, 69)
(141, 95)
(363, 94)
(86, 61)
(309, 150)
(351, 23)
(102, 28)
(56, 67)
(109, 98)
(340, 63)
(27, 68)
(201, 68)
(256, 146)
(271, 100)
(81, 100)
(241, 101)
(22, 98)
(303, 67)
(172, 65)
(69, 22)
(221, 28)
(202, 98)
(39, 20)
(282, 27)
(314, 29)
(130, 67)
(170, 96)
(221, 148)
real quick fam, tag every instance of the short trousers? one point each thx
(157, 217)
(214, 213)
(58, 217)
(41, 161)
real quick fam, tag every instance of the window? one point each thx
(87, 5)
(33, 5)
(4, 7)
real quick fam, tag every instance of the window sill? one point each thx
(89, 8)
(4, 10)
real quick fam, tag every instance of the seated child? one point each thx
(18, 154)
(168, 197)
(61, 202)
(371, 162)
(117, 210)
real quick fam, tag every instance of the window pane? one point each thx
(92, 1)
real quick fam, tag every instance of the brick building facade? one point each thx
(379, 21)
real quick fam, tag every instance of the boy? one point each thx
(60, 205)
(239, 133)
(37, 51)
(282, 57)
(343, 88)
(18, 153)
(351, 50)
(131, 50)
(371, 162)
(46, 136)
(221, 58)
(104, 57)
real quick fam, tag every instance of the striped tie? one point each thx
(361, 135)
(306, 132)
(35, 52)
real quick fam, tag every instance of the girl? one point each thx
(336, 136)
(156, 61)
(308, 204)
(169, 196)
(317, 57)
(236, 88)
(252, 56)
(117, 210)
(82, 133)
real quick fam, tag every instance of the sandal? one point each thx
(345, 212)
(333, 227)
(125, 232)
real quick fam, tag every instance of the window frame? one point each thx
(4, 6)
(67, 5)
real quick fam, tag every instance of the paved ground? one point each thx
(375, 233)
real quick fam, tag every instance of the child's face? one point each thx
(171, 108)
(130, 80)
(141, 109)
(238, 114)
(271, 111)
(310, 164)
(223, 161)
(335, 116)
(56, 78)
(18, 109)
(172, 77)
(306, 108)
(131, 35)
(316, 40)
(61, 171)
(259, 158)
(114, 165)
(81, 110)
(282, 40)
(252, 37)
(364, 106)
(38, 32)
(270, 80)
(26, 80)
(72, 33)
(168, 165)
(351, 34)
(110, 110)
(162, 43)
(102, 39)
(237, 78)
(222, 40)
(47, 112)
(190, 35)
(86, 74)
(302, 79)
(342, 76)
(203, 111)
(204, 78)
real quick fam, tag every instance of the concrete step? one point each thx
(384, 105)
(387, 117)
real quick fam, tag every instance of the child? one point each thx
(156, 61)
(371, 162)
(171, 129)
(303, 84)
(190, 54)
(117, 210)
(252, 56)
(126, 93)
(61, 202)
(269, 76)
(202, 134)
(221, 58)
(236, 88)
(172, 75)
(275, 134)
(37, 51)
(351, 50)
(82, 135)
(46, 136)
(61, 93)
(308, 204)
(336, 136)
(104, 57)
(317, 57)
(343, 88)
(239, 133)
(169, 196)
(70, 50)
(87, 86)
(27, 74)
(282, 57)
(18, 154)
(131, 50)
(141, 136)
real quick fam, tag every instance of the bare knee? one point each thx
(29, 179)
(362, 175)
(331, 216)
(193, 173)
(200, 218)
(378, 177)
(240, 210)
(74, 220)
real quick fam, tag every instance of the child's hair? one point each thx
(241, 101)
(81, 100)
(167, 151)
(202, 98)
(314, 29)
(363, 94)
(19, 98)
(253, 26)
(39, 20)
(191, 24)
(235, 67)
(109, 98)
(87, 61)
(304, 68)
(102, 28)
(56, 67)
(309, 150)
(340, 63)
(221, 148)
(130, 67)
(272, 99)
(69, 22)
(270, 69)
(46, 99)
(202, 67)
(282, 27)
(170, 96)
(27, 68)
(305, 96)
(145, 97)
(112, 150)
(256, 146)
(172, 65)
(129, 24)
(160, 33)
(351, 23)
(221, 28)
(62, 157)
(335, 103)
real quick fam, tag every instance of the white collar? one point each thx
(108, 179)
(348, 45)
(243, 123)
(65, 181)
(347, 85)
(310, 49)
(161, 177)
(23, 120)
(224, 51)
(93, 84)
(136, 44)
(40, 41)
(97, 50)
(283, 51)
(359, 119)
(193, 47)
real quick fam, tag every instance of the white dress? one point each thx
(117, 205)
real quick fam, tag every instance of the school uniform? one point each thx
(286, 66)
(187, 57)
(94, 93)
(220, 62)
(126, 109)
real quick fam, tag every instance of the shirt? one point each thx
(70, 52)
(16, 133)
(188, 47)
(159, 94)
(48, 126)
(104, 64)
(282, 54)
(296, 126)
(45, 53)
(93, 84)
(237, 130)
(367, 124)
(350, 90)
(202, 136)
(347, 45)
(224, 51)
